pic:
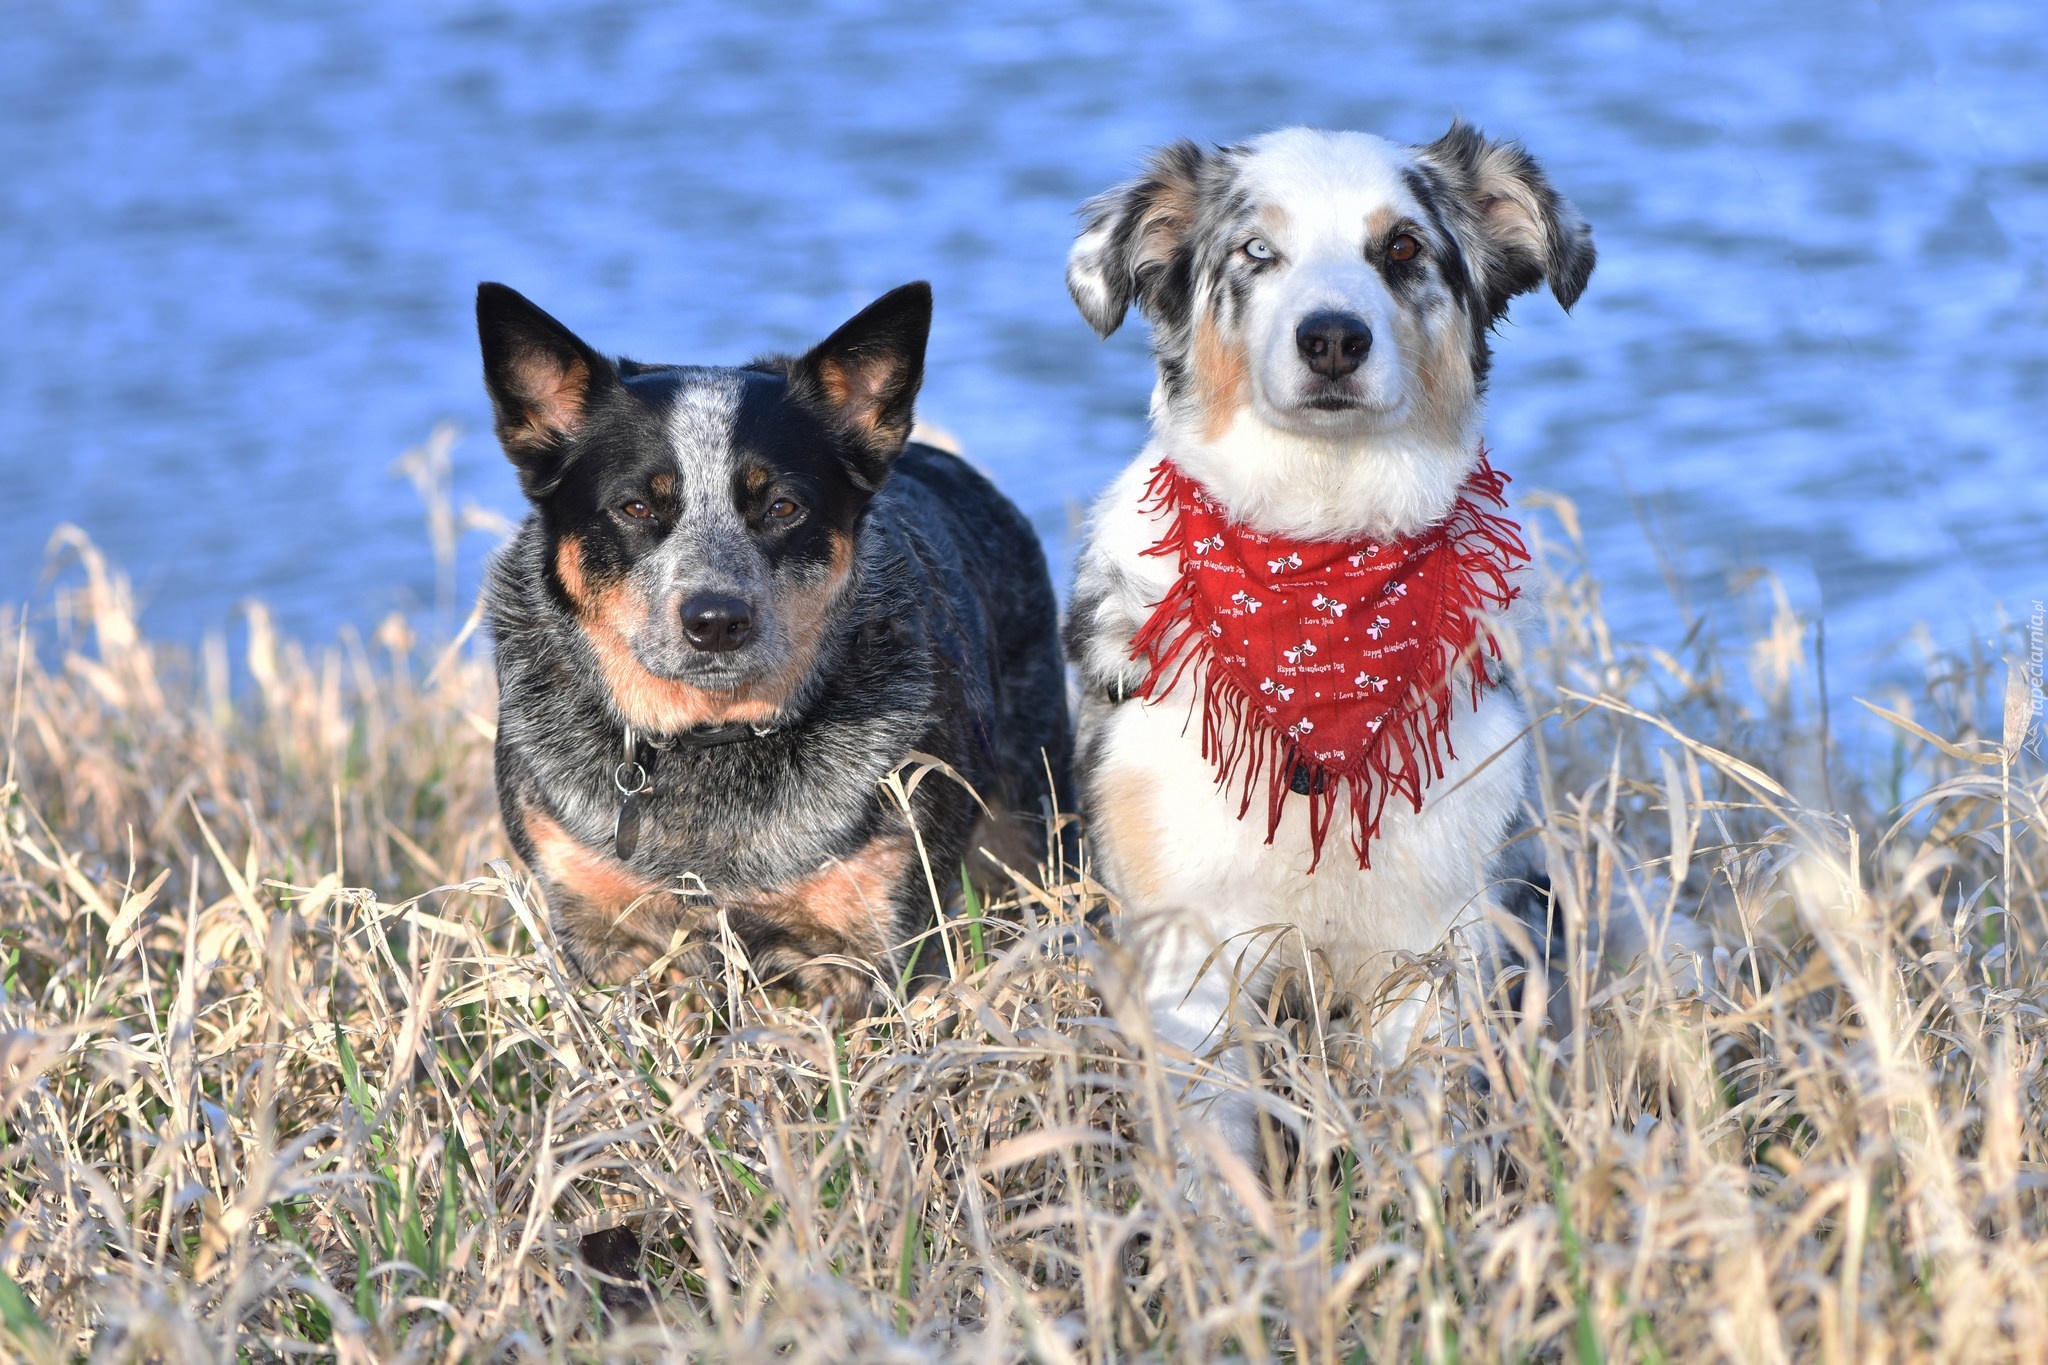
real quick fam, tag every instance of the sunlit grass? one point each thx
(289, 1065)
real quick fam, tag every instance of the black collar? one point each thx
(698, 737)
(711, 736)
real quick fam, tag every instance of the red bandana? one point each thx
(1329, 665)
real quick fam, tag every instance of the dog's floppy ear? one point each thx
(864, 378)
(1526, 231)
(541, 378)
(1133, 240)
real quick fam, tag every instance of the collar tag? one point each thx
(632, 781)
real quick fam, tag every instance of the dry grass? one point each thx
(288, 1066)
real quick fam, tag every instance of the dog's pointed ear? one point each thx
(1134, 240)
(541, 379)
(863, 379)
(1526, 231)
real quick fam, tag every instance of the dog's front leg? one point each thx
(1193, 994)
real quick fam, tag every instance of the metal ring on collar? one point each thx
(639, 778)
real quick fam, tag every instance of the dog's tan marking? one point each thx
(1125, 818)
(658, 705)
(1501, 189)
(1220, 378)
(846, 909)
(857, 387)
(613, 920)
(661, 485)
(551, 397)
(1380, 222)
(1169, 213)
(610, 615)
(569, 569)
(755, 480)
(1443, 368)
(602, 882)
(847, 902)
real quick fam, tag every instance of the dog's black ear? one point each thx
(865, 376)
(1134, 242)
(541, 379)
(1520, 231)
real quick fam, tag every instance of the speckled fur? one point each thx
(937, 634)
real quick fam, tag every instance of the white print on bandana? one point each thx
(1267, 617)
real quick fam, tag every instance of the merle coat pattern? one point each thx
(1321, 306)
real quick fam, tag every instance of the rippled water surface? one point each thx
(237, 252)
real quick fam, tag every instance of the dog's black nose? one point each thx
(717, 623)
(1333, 344)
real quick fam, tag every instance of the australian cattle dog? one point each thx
(743, 598)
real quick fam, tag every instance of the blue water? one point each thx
(238, 245)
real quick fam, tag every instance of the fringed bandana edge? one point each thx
(1328, 667)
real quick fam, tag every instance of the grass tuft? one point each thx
(289, 1067)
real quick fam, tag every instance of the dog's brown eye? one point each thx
(782, 509)
(636, 509)
(1403, 248)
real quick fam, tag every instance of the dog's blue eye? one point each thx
(782, 509)
(1258, 249)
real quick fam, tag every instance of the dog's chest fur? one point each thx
(1172, 843)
